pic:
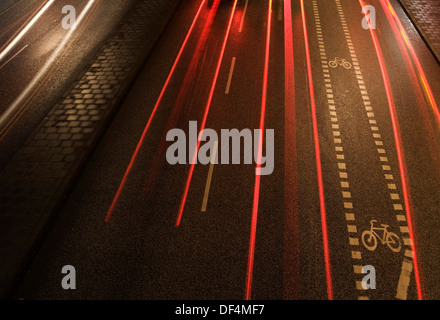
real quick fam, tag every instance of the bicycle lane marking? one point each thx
(407, 266)
(347, 201)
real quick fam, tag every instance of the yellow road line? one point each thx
(208, 182)
(244, 15)
(231, 71)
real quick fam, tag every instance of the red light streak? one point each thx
(318, 162)
(400, 153)
(250, 267)
(291, 240)
(418, 83)
(424, 80)
(184, 97)
(144, 134)
(205, 116)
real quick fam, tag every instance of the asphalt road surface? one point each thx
(351, 209)
(39, 58)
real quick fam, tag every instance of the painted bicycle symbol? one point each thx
(369, 238)
(339, 62)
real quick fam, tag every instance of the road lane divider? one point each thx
(208, 181)
(427, 106)
(14, 56)
(399, 207)
(11, 7)
(253, 231)
(240, 29)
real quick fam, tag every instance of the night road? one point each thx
(220, 150)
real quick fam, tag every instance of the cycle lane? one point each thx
(359, 162)
(416, 143)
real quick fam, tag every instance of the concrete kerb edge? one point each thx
(422, 34)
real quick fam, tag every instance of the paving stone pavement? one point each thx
(425, 14)
(33, 183)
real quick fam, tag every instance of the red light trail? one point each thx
(144, 134)
(400, 154)
(430, 96)
(291, 229)
(318, 161)
(250, 268)
(205, 116)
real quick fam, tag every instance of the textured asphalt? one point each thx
(139, 253)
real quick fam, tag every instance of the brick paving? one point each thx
(33, 183)
(425, 14)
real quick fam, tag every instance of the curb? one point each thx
(46, 167)
(420, 31)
